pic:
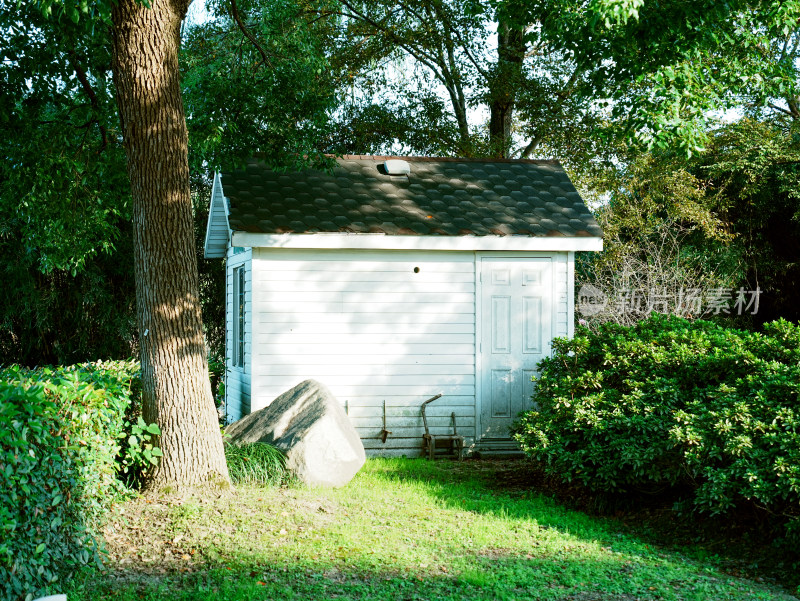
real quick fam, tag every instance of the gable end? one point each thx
(217, 229)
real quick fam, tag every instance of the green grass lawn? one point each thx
(402, 529)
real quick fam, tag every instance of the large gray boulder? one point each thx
(308, 424)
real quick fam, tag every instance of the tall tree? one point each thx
(176, 393)
(440, 37)
(504, 82)
(255, 82)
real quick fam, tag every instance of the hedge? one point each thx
(65, 442)
(706, 412)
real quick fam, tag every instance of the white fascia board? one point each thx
(384, 242)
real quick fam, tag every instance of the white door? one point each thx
(516, 331)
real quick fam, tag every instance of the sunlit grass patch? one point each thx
(402, 529)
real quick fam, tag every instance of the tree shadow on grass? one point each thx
(532, 548)
(741, 544)
(492, 578)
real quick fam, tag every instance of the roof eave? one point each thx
(447, 243)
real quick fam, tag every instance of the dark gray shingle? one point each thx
(445, 197)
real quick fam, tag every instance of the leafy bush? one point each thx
(705, 411)
(42, 527)
(63, 432)
(255, 463)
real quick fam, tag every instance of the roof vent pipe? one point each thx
(397, 167)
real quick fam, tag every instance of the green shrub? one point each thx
(255, 463)
(64, 440)
(704, 411)
(43, 531)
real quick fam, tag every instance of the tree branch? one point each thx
(532, 145)
(243, 28)
(87, 88)
(461, 42)
(794, 109)
(780, 109)
(423, 57)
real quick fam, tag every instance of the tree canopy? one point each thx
(664, 68)
(256, 81)
(556, 77)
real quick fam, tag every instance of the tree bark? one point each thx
(503, 87)
(176, 393)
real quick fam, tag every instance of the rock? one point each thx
(308, 424)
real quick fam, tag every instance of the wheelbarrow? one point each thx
(450, 443)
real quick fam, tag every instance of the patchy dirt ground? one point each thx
(177, 532)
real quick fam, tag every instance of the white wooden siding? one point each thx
(562, 294)
(238, 379)
(372, 330)
(570, 295)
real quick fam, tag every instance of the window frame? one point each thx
(239, 314)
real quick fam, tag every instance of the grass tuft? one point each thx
(255, 464)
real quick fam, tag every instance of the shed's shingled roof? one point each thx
(448, 197)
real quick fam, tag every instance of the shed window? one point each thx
(238, 317)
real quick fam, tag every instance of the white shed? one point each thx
(392, 280)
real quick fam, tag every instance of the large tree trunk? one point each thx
(176, 391)
(505, 80)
